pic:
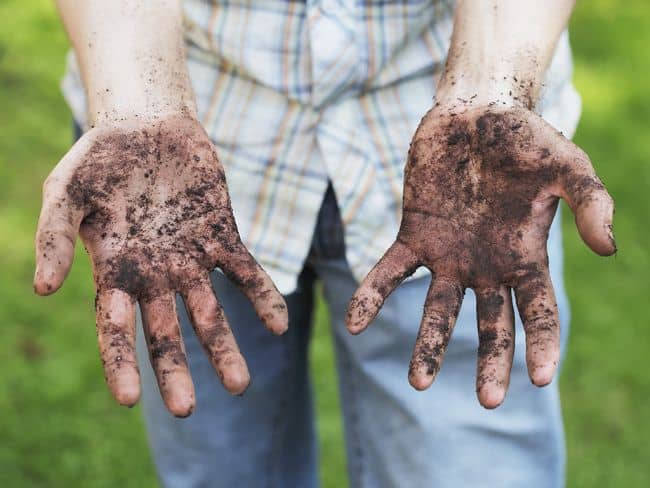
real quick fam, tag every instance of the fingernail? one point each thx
(612, 239)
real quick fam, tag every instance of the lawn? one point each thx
(60, 427)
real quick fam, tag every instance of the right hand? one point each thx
(150, 202)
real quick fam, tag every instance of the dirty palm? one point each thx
(152, 208)
(481, 189)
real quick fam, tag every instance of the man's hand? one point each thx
(146, 193)
(481, 189)
(150, 202)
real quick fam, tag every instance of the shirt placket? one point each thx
(335, 49)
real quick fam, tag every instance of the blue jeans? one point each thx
(395, 436)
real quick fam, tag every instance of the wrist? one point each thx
(112, 115)
(463, 91)
(118, 100)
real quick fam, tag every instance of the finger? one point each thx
(395, 265)
(213, 331)
(167, 353)
(440, 312)
(496, 328)
(58, 226)
(592, 206)
(539, 314)
(116, 336)
(244, 271)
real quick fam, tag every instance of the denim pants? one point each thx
(395, 436)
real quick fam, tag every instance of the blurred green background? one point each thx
(60, 427)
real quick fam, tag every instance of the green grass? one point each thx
(58, 424)
(606, 383)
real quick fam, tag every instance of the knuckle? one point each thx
(205, 313)
(541, 324)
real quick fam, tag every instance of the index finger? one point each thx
(116, 337)
(441, 309)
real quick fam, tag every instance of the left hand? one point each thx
(481, 188)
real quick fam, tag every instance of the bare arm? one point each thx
(482, 183)
(131, 56)
(500, 50)
(145, 191)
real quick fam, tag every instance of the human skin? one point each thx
(483, 179)
(144, 190)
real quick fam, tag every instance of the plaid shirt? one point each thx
(296, 94)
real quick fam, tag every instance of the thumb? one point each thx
(591, 204)
(58, 226)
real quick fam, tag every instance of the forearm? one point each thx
(500, 50)
(131, 57)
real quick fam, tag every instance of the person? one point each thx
(310, 107)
